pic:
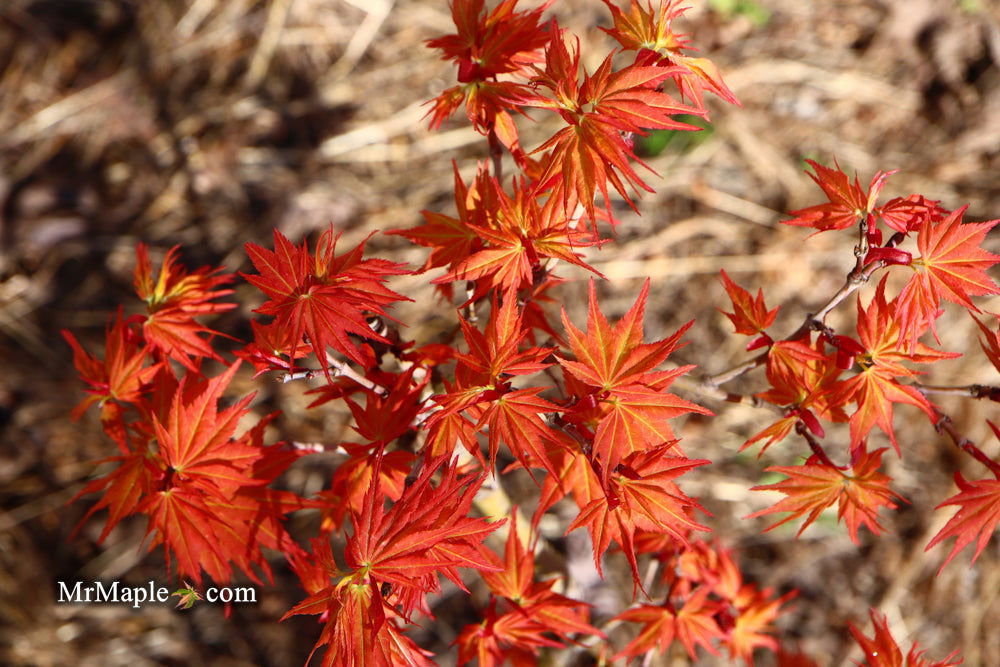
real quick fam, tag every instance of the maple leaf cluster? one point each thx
(181, 463)
(819, 374)
(515, 388)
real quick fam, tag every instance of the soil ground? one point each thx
(208, 124)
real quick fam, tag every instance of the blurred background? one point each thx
(209, 123)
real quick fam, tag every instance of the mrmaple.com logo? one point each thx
(99, 592)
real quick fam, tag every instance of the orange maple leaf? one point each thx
(649, 32)
(324, 296)
(978, 513)
(618, 368)
(639, 496)
(849, 202)
(693, 624)
(591, 151)
(875, 388)
(952, 266)
(519, 235)
(881, 650)
(750, 316)
(814, 486)
(173, 300)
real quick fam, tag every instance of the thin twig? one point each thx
(967, 391)
(858, 276)
(336, 368)
(307, 374)
(713, 381)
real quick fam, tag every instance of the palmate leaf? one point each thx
(591, 152)
(425, 533)
(359, 629)
(648, 31)
(121, 377)
(195, 440)
(173, 300)
(514, 418)
(952, 261)
(881, 650)
(750, 316)
(198, 536)
(875, 388)
(849, 202)
(513, 637)
(952, 266)
(324, 296)
(519, 234)
(639, 496)
(556, 613)
(693, 625)
(208, 506)
(123, 488)
(619, 369)
(978, 513)
(492, 42)
(815, 486)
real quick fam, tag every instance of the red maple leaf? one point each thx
(906, 214)
(360, 629)
(849, 202)
(512, 636)
(487, 44)
(750, 316)
(640, 495)
(649, 32)
(814, 486)
(618, 368)
(952, 265)
(556, 613)
(591, 151)
(978, 513)
(534, 611)
(173, 300)
(203, 489)
(393, 560)
(883, 349)
(324, 296)
(519, 235)
(121, 377)
(693, 624)
(483, 392)
(425, 533)
(881, 650)
(207, 506)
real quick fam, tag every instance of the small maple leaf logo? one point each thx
(188, 596)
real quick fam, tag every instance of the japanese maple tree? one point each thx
(590, 412)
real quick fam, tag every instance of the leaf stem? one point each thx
(946, 425)
(815, 445)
